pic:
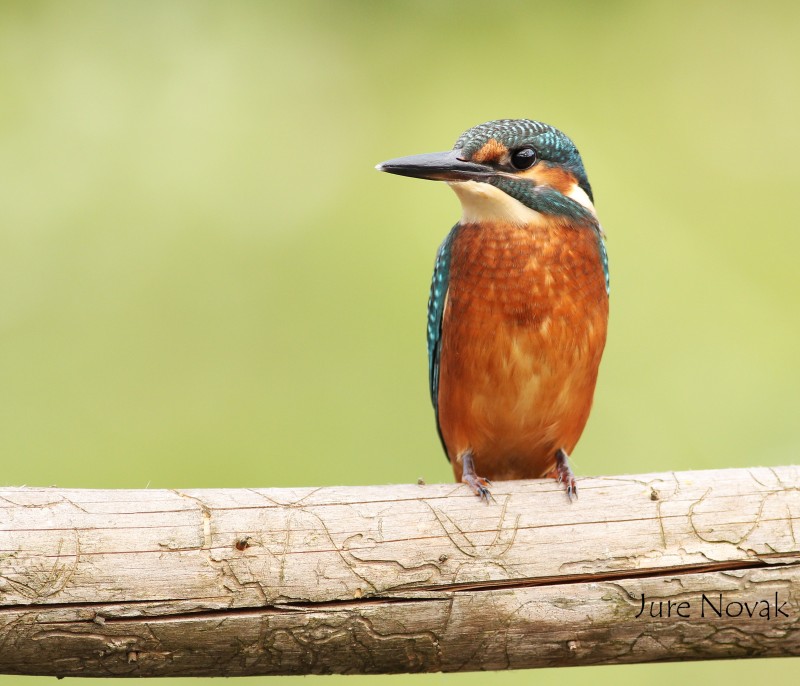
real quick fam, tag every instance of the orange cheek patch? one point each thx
(543, 174)
(491, 151)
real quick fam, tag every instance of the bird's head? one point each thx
(514, 170)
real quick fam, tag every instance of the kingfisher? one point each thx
(518, 306)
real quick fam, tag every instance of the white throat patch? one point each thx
(483, 202)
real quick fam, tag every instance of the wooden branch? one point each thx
(399, 578)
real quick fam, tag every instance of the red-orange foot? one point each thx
(478, 484)
(565, 475)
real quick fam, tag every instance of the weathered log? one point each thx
(399, 578)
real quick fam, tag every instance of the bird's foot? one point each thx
(478, 484)
(564, 474)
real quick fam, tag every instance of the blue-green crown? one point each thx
(550, 144)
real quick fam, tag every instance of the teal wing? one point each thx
(604, 259)
(436, 301)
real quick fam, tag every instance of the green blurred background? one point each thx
(203, 281)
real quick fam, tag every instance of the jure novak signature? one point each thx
(715, 605)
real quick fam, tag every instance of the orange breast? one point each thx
(523, 332)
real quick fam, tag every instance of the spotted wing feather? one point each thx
(436, 304)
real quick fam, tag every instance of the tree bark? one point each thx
(408, 578)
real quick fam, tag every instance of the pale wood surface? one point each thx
(398, 578)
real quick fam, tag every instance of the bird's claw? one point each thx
(565, 475)
(479, 486)
(572, 490)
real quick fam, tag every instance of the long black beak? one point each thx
(438, 166)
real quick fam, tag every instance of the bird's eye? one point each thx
(523, 158)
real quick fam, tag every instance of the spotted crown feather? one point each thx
(511, 132)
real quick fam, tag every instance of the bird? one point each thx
(518, 305)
